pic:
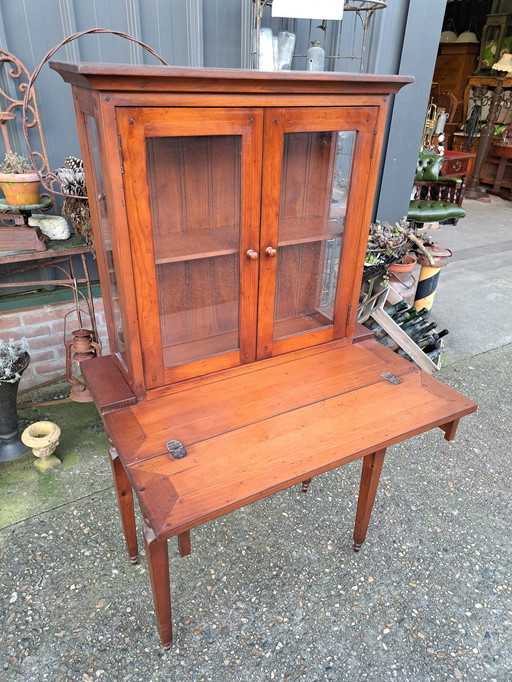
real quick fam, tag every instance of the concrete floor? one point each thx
(474, 296)
(274, 591)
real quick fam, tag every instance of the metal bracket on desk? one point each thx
(176, 448)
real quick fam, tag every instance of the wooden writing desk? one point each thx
(250, 434)
(231, 212)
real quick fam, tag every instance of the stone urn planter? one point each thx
(43, 438)
(14, 360)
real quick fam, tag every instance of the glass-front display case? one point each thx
(238, 208)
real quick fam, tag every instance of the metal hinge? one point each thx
(120, 152)
(373, 142)
(392, 378)
(349, 310)
(176, 448)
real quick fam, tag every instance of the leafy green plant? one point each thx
(15, 164)
(12, 359)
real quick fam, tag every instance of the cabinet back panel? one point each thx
(194, 182)
(198, 299)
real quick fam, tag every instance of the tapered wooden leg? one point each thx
(184, 544)
(305, 485)
(370, 474)
(125, 502)
(158, 563)
(450, 429)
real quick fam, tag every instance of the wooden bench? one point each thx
(251, 431)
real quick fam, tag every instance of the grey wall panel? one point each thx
(222, 20)
(417, 57)
(163, 25)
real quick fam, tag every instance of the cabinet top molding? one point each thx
(127, 77)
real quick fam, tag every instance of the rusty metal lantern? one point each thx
(82, 346)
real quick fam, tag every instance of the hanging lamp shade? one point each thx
(448, 37)
(467, 37)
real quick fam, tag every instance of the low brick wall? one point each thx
(43, 328)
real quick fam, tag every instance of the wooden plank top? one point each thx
(249, 436)
(159, 78)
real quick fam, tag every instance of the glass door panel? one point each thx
(318, 173)
(193, 206)
(314, 188)
(195, 195)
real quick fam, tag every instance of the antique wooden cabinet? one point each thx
(231, 211)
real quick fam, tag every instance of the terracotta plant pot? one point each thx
(408, 266)
(20, 189)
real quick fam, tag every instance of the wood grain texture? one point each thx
(184, 79)
(240, 399)
(263, 385)
(246, 444)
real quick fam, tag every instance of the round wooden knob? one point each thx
(270, 251)
(251, 255)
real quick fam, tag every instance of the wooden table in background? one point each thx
(458, 165)
(504, 152)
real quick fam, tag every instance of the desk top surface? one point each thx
(249, 435)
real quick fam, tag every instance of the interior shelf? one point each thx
(303, 230)
(179, 246)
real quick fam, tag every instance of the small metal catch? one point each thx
(176, 448)
(391, 378)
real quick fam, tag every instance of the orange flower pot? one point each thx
(20, 189)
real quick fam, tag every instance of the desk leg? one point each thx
(450, 429)
(158, 563)
(125, 503)
(184, 544)
(305, 485)
(370, 474)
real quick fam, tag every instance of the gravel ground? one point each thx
(274, 591)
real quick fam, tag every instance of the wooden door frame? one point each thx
(277, 123)
(135, 124)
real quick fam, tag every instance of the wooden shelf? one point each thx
(195, 349)
(181, 246)
(304, 230)
(223, 241)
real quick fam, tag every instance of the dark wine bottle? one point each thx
(433, 354)
(424, 329)
(392, 309)
(430, 346)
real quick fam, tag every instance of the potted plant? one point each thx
(19, 181)
(14, 360)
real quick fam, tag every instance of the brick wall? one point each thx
(43, 328)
